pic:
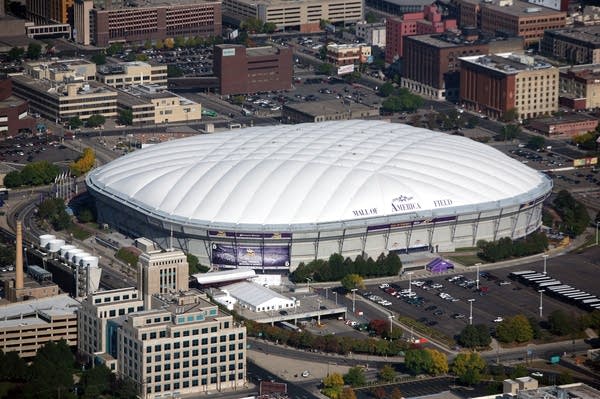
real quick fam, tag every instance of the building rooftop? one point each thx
(520, 9)
(577, 390)
(11, 101)
(252, 293)
(567, 118)
(586, 35)
(261, 51)
(508, 63)
(28, 312)
(182, 302)
(327, 107)
(60, 89)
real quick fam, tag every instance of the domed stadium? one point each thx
(274, 196)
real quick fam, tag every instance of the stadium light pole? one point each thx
(335, 293)
(541, 304)
(545, 258)
(471, 311)
(391, 316)
(308, 280)
(477, 279)
(409, 281)
(353, 300)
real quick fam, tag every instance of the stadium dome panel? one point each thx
(306, 179)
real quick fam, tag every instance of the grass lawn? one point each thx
(467, 260)
(78, 232)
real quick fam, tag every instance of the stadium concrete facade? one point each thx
(272, 197)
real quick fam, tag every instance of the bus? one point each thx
(290, 326)
(548, 284)
(515, 275)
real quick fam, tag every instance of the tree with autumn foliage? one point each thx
(84, 163)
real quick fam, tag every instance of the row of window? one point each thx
(195, 383)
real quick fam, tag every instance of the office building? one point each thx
(431, 63)
(579, 86)
(126, 74)
(558, 5)
(494, 84)
(49, 11)
(511, 18)
(153, 104)
(14, 112)
(428, 21)
(372, 33)
(151, 21)
(242, 70)
(178, 344)
(564, 126)
(304, 16)
(576, 45)
(27, 326)
(394, 7)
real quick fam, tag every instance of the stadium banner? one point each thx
(252, 256)
(577, 163)
(380, 227)
(275, 236)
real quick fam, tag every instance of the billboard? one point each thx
(585, 162)
(232, 256)
(344, 69)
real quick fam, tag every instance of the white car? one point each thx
(305, 373)
(498, 319)
(384, 285)
(537, 374)
(436, 286)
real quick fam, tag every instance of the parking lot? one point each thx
(30, 148)
(446, 307)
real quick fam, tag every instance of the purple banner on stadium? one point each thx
(249, 235)
(253, 256)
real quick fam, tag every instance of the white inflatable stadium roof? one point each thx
(314, 173)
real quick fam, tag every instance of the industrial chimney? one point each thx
(19, 258)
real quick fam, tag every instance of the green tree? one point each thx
(574, 215)
(536, 143)
(326, 69)
(51, 372)
(519, 371)
(13, 179)
(95, 120)
(469, 337)
(510, 116)
(332, 385)
(355, 377)
(7, 256)
(468, 367)
(15, 54)
(85, 215)
(371, 18)
(12, 367)
(195, 266)
(114, 48)
(75, 122)
(125, 117)
(269, 27)
(418, 361)
(387, 373)
(99, 58)
(34, 50)
(148, 44)
(386, 89)
(96, 381)
(510, 132)
(439, 362)
(179, 41)
(560, 323)
(352, 281)
(515, 329)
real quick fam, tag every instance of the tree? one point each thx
(7, 257)
(332, 385)
(194, 265)
(468, 367)
(352, 281)
(348, 393)
(96, 381)
(51, 371)
(574, 215)
(396, 394)
(371, 18)
(269, 27)
(114, 48)
(386, 89)
(439, 362)
(560, 323)
(387, 373)
(84, 163)
(75, 122)
(536, 143)
(355, 377)
(126, 117)
(12, 367)
(34, 50)
(148, 44)
(15, 54)
(173, 71)
(95, 120)
(13, 179)
(511, 115)
(326, 69)
(85, 215)
(99, 58)
(418, 361)
(510, 132)
(179, 41)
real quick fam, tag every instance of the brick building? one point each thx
(511, 18)
(565, 126)
(49, 11)
(431, 62)
(577, 45)
(150, 22)
(242, 70)
(494, 84)
(426, 22)
(13, 111)
(348, 54)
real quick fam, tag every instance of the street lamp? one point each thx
(318, 312)
(335, 293)
(308, 280)
(353, 299)
(541, 304)
(391, 316)
(326, 293)
(471, 311)
(545, 257)
(409, 281)
(477, 279)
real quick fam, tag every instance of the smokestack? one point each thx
(19, 257)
